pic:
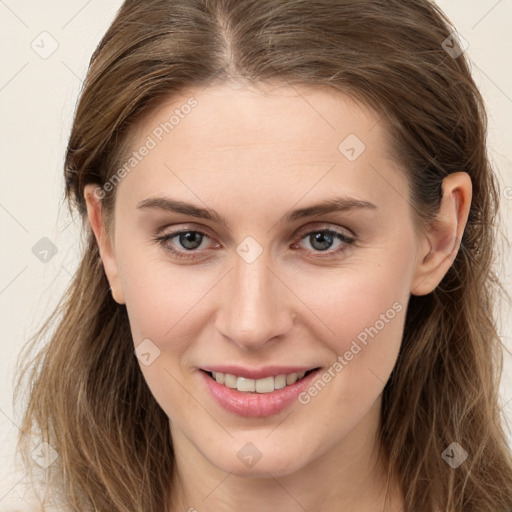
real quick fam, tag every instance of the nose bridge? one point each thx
(256, 307)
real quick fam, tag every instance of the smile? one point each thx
(257, 392)
(265, 385)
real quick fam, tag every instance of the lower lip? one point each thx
(256, 405)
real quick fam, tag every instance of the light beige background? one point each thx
(37, 99)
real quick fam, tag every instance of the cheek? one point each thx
(164, 305)
(160, 297)
(351, 299)
(364, 308)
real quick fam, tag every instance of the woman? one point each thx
(285, 301)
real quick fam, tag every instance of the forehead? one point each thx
(250, 140)
(252, 117)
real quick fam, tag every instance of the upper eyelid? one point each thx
(172, 232)
(326, 227)
(320, 226)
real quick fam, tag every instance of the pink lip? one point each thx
(256, 405)
(257, 373)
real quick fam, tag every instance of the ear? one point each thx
(441, 244)
(105, 244)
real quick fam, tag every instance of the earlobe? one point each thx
(442, 242)
(105, 245)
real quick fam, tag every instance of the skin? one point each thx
(253, 155)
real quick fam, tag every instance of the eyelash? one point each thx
(343, 237)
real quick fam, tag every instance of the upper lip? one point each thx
(257, 373)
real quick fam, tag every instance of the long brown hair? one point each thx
(87, 396)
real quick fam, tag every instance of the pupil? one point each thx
(190, 239)
(321, 241)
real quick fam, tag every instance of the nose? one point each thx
(257, 307)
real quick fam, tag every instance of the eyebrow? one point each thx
(336, 204)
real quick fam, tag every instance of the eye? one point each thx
(181, 242)
(189, 243)
(190, 239)
(321, 240)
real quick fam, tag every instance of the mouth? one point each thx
(276, 389)
(265, 385)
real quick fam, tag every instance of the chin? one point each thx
(258, 458)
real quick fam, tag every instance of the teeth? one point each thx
(266, 385)
(280, 382)
(291, 379)
(229, 380)
(245, 384)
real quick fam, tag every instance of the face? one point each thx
(264, 233)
